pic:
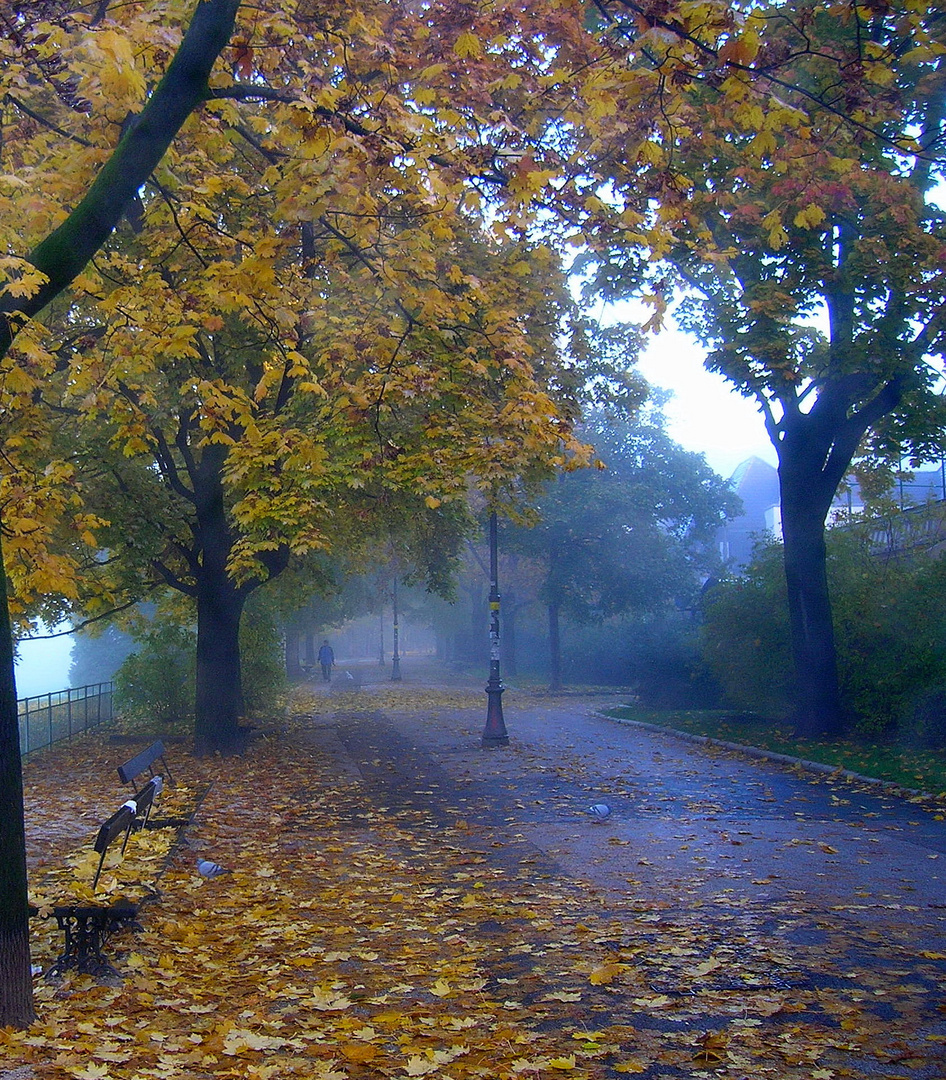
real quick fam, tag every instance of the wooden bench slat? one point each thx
(135, 766)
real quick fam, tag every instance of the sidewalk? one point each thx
(404, 903)
(690, 817)
(842, 882)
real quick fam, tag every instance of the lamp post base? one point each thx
(494, 734)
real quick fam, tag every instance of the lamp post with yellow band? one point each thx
(494, 734)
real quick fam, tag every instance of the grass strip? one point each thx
(907, 766)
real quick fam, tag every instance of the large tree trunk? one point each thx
(219, 703)
(16, 980)
(291, 652)
(220, 602)
(805, 500)
(555, 649)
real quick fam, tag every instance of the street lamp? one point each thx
(395, 660)
(494, 734)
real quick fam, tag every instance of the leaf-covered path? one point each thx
(403, 903)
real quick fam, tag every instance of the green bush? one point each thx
(262, 660)
(744, 639)
(927, 719)
(889, 629)
(156, 682)
(658, 656)
(890, 632)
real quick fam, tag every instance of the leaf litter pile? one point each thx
(359, 936)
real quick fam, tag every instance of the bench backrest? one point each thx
(135, 766)
(120, 822)
(134, 812)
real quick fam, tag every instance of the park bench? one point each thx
(129, 772)
(88, 911)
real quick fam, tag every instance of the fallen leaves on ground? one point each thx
(359, 938)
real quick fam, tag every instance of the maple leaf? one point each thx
(361, 1053)
(707, 966)
(420, 1066)
(327, 1001)
(605, 974)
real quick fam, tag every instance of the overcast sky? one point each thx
(704, 414)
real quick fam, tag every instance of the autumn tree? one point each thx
(796, 185)
(220, 463)
(39, 265)
(629, 537)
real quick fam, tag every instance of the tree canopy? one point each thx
(810, 255)
(631, 536)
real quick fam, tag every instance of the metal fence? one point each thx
(914, 529)
(50, 718)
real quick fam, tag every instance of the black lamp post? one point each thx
(395, 660)
(494, 734)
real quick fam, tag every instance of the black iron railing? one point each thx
(50, 718)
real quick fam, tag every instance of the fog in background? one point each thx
(42, 665)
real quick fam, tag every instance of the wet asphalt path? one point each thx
(804, 881)
(687, 822)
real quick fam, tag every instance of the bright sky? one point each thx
(42, 667)
(704, 414)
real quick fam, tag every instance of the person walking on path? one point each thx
(326, 659)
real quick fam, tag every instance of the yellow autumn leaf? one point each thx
(563, 1063)
(810, 218)
(468, 44)
(360, 1053)
(91, 1072)
(657, 1001)
(772, 223)
(605, 974)
(420, 1066)
(712, 964)
(327, 1001)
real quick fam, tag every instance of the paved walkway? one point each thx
(824, 879)
(684, 818)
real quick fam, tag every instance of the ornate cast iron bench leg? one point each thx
(85, 930)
